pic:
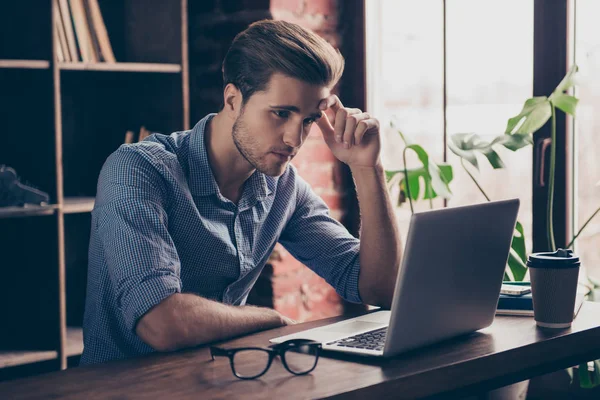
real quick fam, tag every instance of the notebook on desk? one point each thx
(523, 305)
(448, 284)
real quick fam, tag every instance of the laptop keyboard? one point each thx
(372, 340)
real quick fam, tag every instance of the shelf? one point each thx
(74, 205)
(13, 358)
(25, 64)
(74, 341)
(28, 211)
(120, 67)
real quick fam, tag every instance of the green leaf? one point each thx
(438, 182)
(389, 175)
(594, 281)
(596, 373)
(535, 113)
(466, 145)
(515, 141)
(433, 178)
(414, 182)
(516, 265)
(518, 243)
(568, 81)
(456, 144)
(587, 380)
(493, 158)
(584, 376)
(517, 257)
(421, 178)
(405, 139)
(565, 102)
(570, 372)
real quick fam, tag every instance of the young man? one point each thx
(183, 224)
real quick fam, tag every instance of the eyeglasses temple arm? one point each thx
(215, 351)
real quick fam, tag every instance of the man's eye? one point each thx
(281, 113)
(309, 121)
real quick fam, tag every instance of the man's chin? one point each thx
(274, 170)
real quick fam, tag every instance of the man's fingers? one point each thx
(342, 123)
(332, 102)
(363, 127)
(325, 126)
(351, 122)
(352, 136)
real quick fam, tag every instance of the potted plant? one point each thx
(536, 112)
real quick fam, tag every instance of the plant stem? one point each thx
(429, 192)
(550, 204)
(407, 184)
(462, 162)
(582, 228)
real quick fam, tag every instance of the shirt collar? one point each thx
(202, 180)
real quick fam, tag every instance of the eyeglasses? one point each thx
(299, 356)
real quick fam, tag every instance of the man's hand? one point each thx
(352, 135)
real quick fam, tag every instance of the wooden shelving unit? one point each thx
(122, 67)
(74, 205)
(29, 211)
(25, 64)
(61, 121)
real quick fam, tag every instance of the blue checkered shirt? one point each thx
(161, 226)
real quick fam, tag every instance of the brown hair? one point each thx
(268, 46)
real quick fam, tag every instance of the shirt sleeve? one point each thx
(322, 243)
(131, 222)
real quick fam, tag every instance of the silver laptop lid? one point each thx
(452, 270)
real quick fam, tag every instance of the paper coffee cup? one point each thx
(554, 279)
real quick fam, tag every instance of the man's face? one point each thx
(273, 124)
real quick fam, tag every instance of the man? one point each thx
(183, 224)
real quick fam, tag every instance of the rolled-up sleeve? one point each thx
(322, 243)
(131, 222)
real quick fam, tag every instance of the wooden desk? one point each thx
(509, 351)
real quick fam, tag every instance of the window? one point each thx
(586, 169)
(489, 74)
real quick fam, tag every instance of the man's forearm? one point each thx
(380, 248)
(186, 320)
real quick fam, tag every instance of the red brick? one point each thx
(333, 200)
(318, 175)
(295, 6)
(322, 7)
(314, 151)
(298, 292)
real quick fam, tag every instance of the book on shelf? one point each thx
(105, 49)
(80, 32)
(130, 135)
(63, 10)
(60, 38)
(523, 305)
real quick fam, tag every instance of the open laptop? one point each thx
(448, 284)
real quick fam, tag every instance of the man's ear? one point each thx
(232, 100)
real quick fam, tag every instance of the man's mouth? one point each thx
(282, 156)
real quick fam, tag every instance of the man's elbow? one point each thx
(377, 295)
(159, 333)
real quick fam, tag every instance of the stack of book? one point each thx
(80, 32)
(130, 135)
(523, 305)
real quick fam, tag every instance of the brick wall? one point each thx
(285, 284)
(212, 26)
(298, 292)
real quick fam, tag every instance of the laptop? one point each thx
(448, 284)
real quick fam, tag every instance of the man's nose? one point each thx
(294, 136)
